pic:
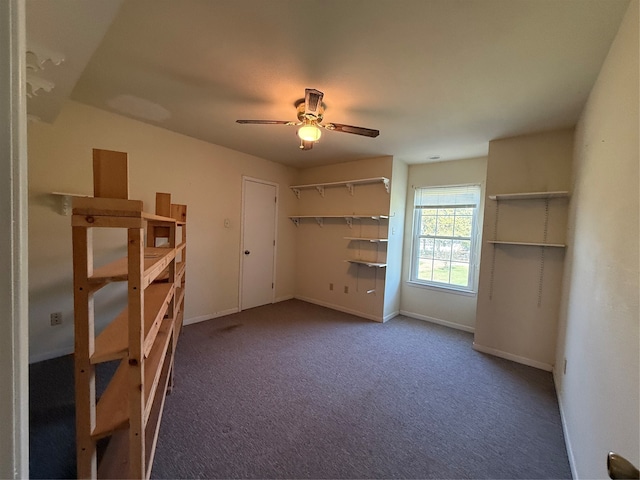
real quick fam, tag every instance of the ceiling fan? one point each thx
(310, 115)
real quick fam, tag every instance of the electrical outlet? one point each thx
(331, 286)
(346, 289)
(56, 318)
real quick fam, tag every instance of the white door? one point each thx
(259, 202)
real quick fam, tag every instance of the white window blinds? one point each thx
(458, 196)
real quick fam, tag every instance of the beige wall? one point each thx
(393, 285)
(454, 309)
(322, 250)
(519, 290)
(206, 177)
(599, 337)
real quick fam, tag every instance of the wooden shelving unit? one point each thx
(142, 337)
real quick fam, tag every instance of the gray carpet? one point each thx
(293, 390)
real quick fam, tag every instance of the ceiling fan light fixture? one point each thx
(309, 133)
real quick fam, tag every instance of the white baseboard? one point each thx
(391, 315)
(341, 309)
(41, 357)
(514, 358)
(283, 298)
(445, 323)
(204, 318)
(567, 438)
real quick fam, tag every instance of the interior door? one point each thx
(258, 242)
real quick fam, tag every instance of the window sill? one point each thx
(442, 289)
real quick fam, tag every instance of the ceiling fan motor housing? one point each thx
(310, 117)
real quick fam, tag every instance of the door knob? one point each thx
(247, 252)
(620, 467)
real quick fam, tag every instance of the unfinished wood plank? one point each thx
(107, 207)
(115, 459)
(153, 365)
(155, 260)
(85, 386)
(179, 212)
(163, 204)
(112, 343)
(135, 247)
(110, 174)
(113, 406)
(153, 424)
(158, 218)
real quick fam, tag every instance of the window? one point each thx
(444, 236)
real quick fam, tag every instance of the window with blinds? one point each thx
(445, 247)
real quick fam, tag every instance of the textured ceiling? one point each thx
(436, 77)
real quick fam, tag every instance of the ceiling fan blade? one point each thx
(338, 127)
(312, 101)
(267, 122)
(306, 145)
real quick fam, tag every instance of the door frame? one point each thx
(246, 179)
(14, 289)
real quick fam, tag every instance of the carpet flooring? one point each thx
(294, 390)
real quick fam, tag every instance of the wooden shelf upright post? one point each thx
(142, 337)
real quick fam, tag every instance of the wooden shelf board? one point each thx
(527, 244)
(152, 365)
(152, 428)
(529, 195)
(156, 259)
(97, 207)
(112, 410)
(112, 343)
(368, 264)
(115, 460)
(179, 297)
(363, 239)
(157, 218)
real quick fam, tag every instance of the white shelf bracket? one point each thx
(349, 221)
(320, 221)
(386, 184)
(297, 192)
(320, 189)
(296, 221)
(65, 205)
(350, 188)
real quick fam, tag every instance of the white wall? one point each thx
(599, 395)
(206, 177)
(519, 290)
(394, 280)
(454, 309)
(14, 394)
(322, 251)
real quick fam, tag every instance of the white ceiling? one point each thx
(436, 77)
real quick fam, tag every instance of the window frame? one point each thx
(474, 250)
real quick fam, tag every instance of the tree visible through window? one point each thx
(444, 236)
